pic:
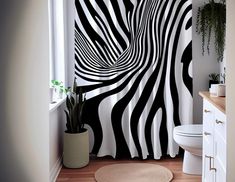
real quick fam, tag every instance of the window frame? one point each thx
(57, 29)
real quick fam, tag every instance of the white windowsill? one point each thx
(57, 103)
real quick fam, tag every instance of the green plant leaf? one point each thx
(75, 106)
(75, 118)
(80, 95)
(214, 76)
(81, 112)
(211, 20)
(68, 123)
(74, 88)
(72, 100)
(68, 104)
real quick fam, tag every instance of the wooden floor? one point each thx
(86, 174)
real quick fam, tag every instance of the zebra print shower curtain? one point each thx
(134, 60)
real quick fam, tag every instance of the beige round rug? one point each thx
(133, 172)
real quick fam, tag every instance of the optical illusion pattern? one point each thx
(134, 60)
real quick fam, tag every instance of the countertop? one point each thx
(218, 102)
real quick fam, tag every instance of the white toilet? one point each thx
(189, 137)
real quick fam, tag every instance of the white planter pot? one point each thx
(60, 95)
(76, 150)
(51, 95)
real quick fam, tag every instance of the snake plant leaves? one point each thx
(74, 113)
(68, 103)
(74, 88)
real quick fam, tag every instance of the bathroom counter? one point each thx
(218, 102)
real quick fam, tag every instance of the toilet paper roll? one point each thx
(213, 90)
(217, 90)
(221, 90)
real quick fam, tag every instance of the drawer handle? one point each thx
(206, 133)
(210, 166)
(206, 111)
(218, 121)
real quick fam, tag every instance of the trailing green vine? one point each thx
(211, 19)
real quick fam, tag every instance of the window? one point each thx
(58, 64)
(57, 40)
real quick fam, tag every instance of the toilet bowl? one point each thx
(189, 137)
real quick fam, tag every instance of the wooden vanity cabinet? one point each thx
(214, 139)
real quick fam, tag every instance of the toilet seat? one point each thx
(194, 130)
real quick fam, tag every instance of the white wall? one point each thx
(230, 98)
(24, 69)
(202, 67)
(57, 128)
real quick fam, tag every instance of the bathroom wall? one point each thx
(24, 78)
(202, 65)
(230, 98)
(56, 131)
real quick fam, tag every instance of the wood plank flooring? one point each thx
(86, 174)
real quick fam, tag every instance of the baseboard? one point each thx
(54, 172)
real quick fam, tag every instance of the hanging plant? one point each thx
(211, 19)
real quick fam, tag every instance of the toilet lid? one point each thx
(195, 130)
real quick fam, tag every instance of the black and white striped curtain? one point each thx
(134, 60)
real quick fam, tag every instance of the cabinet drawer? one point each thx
(208, 109)
(220, 124)
(208, 119)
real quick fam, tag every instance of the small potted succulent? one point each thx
(76, 139)
(213, 79)
(58, 88)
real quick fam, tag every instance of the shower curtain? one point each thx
(134, 60)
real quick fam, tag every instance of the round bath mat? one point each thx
(133, 172)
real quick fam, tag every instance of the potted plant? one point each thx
(76, 139)
(213, 79)
(211, 20)
(51, 95)
(58, 88)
